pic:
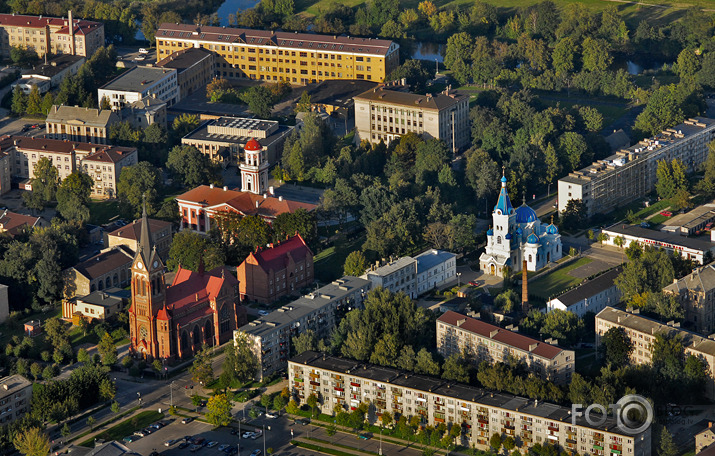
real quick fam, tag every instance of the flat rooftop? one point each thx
(185, 59)
(388, 95)
(431, 258)
(659, 236)
(137, 79)
(56, 65)
(393, 266)
(692, 219)
(202, 134)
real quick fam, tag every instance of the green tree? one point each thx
(219, 410)
(595, 54)
(617, 346)
(355, 264)
(201, 370)
(312, 402)
(564, 56)
(32, 442)
(242, 358)
(73, 196)
(107, 350)
(279, 402)
(191, 167)
(189, 248)
(425, 363)
(415, 72)
(687, 66)
(304, 104)
(139, 183)
(456, 368)
(44, 185)
(90, 422)
(47, 101)
(507, 300)
(482, 174)
(667, 446)
(34, 102)
(305, 341)
(573, 215)
(671, 178)
(185, 124)
(573, 147)
(19, 101)
(115, 407)
(300, 221)
(495, 441)
(260, 101)
(66, 430)
(36, 370)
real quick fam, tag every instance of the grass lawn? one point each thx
(657, 219)
(329, 262)
(7, 332)
(586, 363)
(127, 427)
(103, 211)
(610, 112)
(557, 281)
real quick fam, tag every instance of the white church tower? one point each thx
(254, 168)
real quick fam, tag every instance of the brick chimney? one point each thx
(524, 289)
(71, 31)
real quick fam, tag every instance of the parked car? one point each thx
(188, 438)
(195, 448)
(302, 421)
(263, 312)
(187, 420)
(183, 445)
(223, 447)
(130, 438)
(200, 441)
(154, 453)
(364, 436)
(256, 453)
(231, 450)
(212, 444)
(143, 51)
(645, 225)
(474, 283)
(234, 431)
(170, 442)
(141, 433)
(247, 435)
(666, 213)
(257, 434)
(271, 415)
(140, 57)
(148, 430)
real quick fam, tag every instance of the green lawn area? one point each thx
(102, 211)
(126, 427)
(7, 331)
(329, 262)
(610, 112)
(657, 219)
(557, 281)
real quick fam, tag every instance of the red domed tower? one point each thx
(254, 169)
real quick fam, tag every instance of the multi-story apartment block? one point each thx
(435, 269)
(53, 34)
(141, 82)
(6, 161)
(689, 248)
(102, 163)
(280, 269)
(591, 296)
(271, 335)
(696, 293)
(15, 396)
(298, 58)
(642, 331)
(384, 114)
(223, 140)
(344, 383)
(630, 173)
(398, 275)
(457, 333)
(196, 67)
(50, 75)
(129, 235)
(75, 123)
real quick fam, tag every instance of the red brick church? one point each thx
(174, 322)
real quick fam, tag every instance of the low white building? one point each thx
(688, 248)
(435, 268)
(592, 296)
(398, 275)
(141, 82)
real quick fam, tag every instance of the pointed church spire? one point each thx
(145, 244)
(503, 203)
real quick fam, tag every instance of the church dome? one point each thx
(532, 239)
(508, 236)
(525, 214)
(552, 229)
(519, 231)
(490, 232)
(252, 145)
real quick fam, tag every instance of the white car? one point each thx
(139, 58)
(143, 51)
(271, 415)
(170, 442)
(247, 435)
(257, 434)
(212, 444)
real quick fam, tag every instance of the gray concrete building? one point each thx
(15, 397)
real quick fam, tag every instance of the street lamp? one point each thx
(459, 279)
(380, 452)
(264, 439)
(171, 389)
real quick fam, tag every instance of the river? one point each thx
(231, 6)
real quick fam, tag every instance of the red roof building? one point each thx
(174, 322)
(282, 269)
(457, 333)
(199, 206)
(13, 223)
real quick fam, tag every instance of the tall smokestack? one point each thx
(71, 29)
(524, 289)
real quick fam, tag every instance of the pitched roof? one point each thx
(185, 58)
(431, 258)
(57, 146)
(590, 288)
(81, 26)
(502, 335)
(104, 262)
(13, 222)
(383, 94)
(276, 257)
(111, 154)
(303, 41)
(191, 287)
(700, 280)
(133, 230)
(81, 116)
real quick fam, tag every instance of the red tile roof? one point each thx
(133, 231)
(504, 336)
(105, 262)
(81, 26)
(12, 222)
(252, 145)
(276, 257)
(60, 146)
(111, 154)
(191, 287)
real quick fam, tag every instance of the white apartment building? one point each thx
(591, 296)
(141, 82)
(272, 335)
(397, 276)
(630, 173)
(457, 333)
(642, 331)
(384, 114)
(689, 248)
(345, 383)
(435, 269)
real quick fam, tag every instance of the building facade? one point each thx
(689, 248)
(50, 34)
(201, 206)
(298, 58)
(435, 269)
(13, 223)
(696, 294)
(51, 74)
(398, 275)
(108, 269)
(459, 334)
(196, 67)
(278, 270)
(345, 384)
(517, 235)
(174, 322)
(105, 166)
(254, 168)
(383, 115)
(147, 111)
(224, 140)
(591, 296)
(129, 235)
(271, 336)
(80, 124)
(15, 398)
(630, 173)
(642, 332)
(98, 305)
(141, 82)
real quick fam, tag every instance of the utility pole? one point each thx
(264, 440)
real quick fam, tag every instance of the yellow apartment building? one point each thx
(298, 58)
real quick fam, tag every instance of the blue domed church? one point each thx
(517, 235)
